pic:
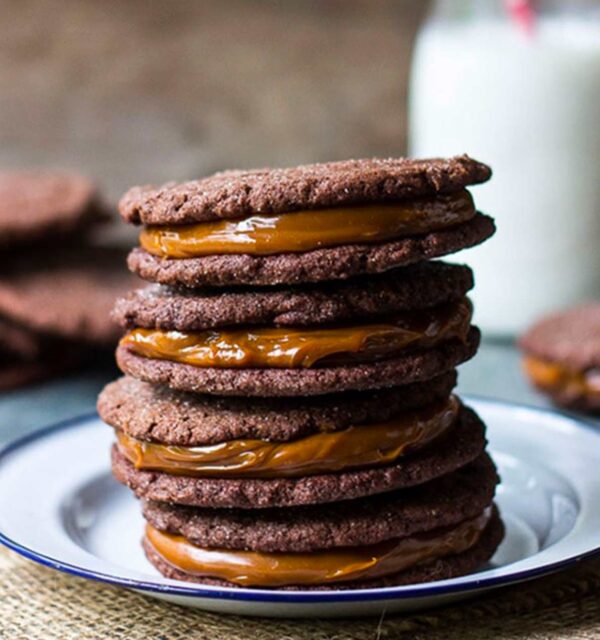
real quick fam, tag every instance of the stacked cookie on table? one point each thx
(287, 415)
(56, 286)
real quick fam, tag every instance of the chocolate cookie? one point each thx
(37, 206)
(456, 448)
(333, 263)
(448, 500)
(441, 569)
(159, 414)
(412, 367)
(422, 285)
(232, 194)
(67, 293)
(562, 357)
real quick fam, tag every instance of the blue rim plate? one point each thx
(542, 451)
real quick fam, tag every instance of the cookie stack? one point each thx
(56, 289)
(287, 415)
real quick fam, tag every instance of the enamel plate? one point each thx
(59, 506)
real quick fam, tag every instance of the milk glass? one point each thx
(524, 98)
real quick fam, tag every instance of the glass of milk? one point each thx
(523, 96)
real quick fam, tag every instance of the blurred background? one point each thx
(147, 91)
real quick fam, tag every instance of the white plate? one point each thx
(60, 507)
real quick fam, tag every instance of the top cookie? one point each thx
(38, 205)
(234, 194)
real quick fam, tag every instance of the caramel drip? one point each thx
(555, 377)
(258, 569)
(355, 447)
(307, 230)
(306, 346)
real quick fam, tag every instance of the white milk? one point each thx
(530, 107)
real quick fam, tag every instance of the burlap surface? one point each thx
(36, 602)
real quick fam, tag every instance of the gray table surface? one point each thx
(494, 372)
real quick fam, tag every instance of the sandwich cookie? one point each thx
(366, 542)
(402, 342)
(434, 555)
(411, 449)
(39, 206)
(562, 357)
(305, 224)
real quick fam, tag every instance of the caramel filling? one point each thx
(308, 230)
(555, 377)
(252, 568)
(303, 347)
(361, 446)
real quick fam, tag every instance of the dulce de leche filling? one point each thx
(306, 346)
(556, 377)
(307, 230)
(260, 569)
(368, 445)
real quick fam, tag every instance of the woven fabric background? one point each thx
(36, 602)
